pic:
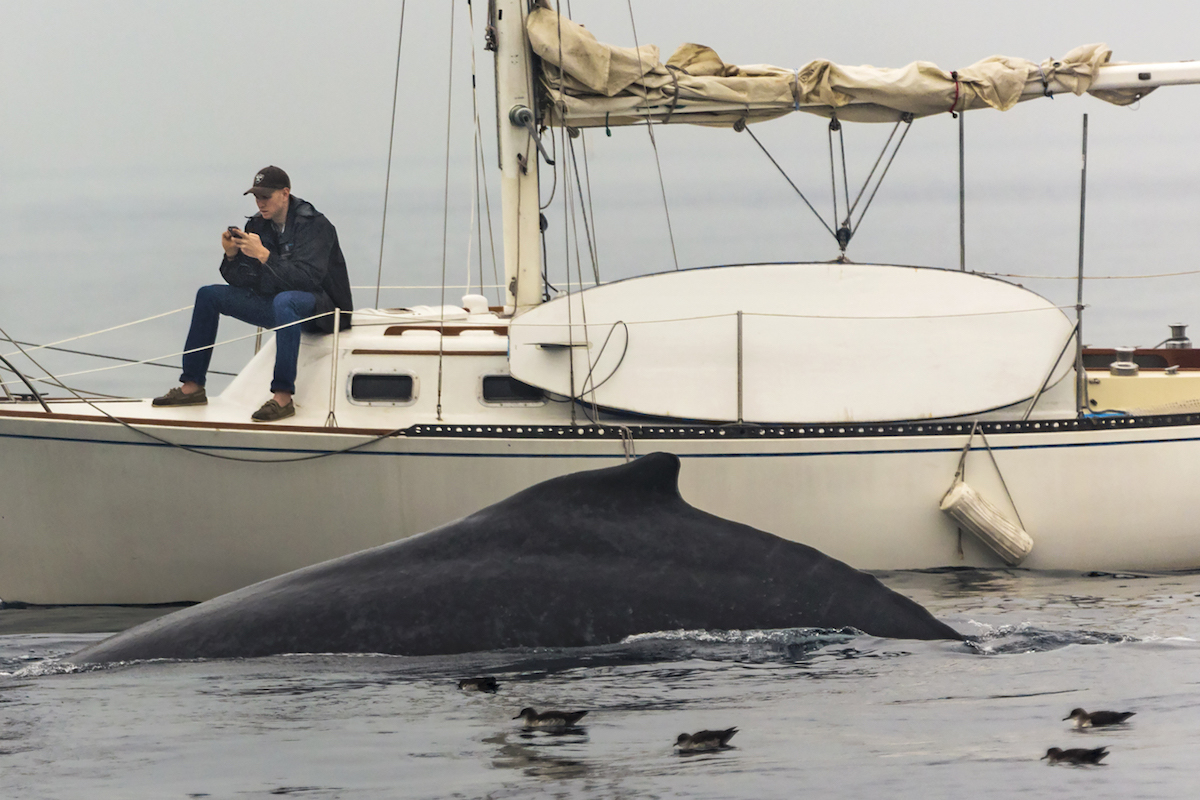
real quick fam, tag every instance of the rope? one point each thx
(789, 180)
(445, 211)
(553, 152)
(104, 330)
(833, 172)
(653, 144)
(886, 167)
(584, 212)
(387, 182)
(871, 174)
(476, 217)
(674, 94)
(1090, 277)
(956, 90)
(962, 468)
(480, 174)
(199, 451)
(30, 346)
(845, 178)
(567, 264)
(170, 355)
(587, 176)
(627, 442)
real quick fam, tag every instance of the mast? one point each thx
(516, 112)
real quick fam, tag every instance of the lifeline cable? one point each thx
(201, 451)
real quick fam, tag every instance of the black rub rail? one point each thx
(807, 431)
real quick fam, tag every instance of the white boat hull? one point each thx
(92, 512)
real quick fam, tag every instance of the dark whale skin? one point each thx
(584, 559)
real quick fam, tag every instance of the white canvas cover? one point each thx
(600, 84)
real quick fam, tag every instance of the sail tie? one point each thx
(954, 75)
(672, 70)
(1045, 83)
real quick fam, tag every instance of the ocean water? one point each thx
(827, 713)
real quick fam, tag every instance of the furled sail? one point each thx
(594, 84)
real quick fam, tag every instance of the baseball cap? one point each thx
(268, 179)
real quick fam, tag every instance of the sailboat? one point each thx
(894, 417)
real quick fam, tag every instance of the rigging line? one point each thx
(445, 212)
(105, 330)
(476, 220)
(791, 183)
(871, 174)
(845, 179)
(487, 207)
(471, 224)
(480, 164)
(553, 142)
(31, 346)
(653, 143)
(477, 212)
(662, 187)
(583, 210)
(553, 173)
(1089, 277)
(587, 175)
(886, 167)
(75, 391)
(183, 353)
(387, 182)
(197, 450)
(567, 263)
(567, 143)
(833, 174)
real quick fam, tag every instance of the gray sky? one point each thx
(129, 129)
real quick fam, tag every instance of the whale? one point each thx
(585, 559)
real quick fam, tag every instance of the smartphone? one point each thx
(235, 233)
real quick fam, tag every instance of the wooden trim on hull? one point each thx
(448, 330)
(447, 353)
(176, 423)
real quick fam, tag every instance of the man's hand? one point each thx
(251, 244)
(229, 244)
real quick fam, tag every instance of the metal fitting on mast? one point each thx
(522, 117)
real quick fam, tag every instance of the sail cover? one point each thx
(594, 84)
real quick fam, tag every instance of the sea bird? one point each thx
(1076, 756)
(704, 740)
(1098, 719)
(550, 719)
(484, 684)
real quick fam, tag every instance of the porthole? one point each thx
(505, 390)
(382, 388)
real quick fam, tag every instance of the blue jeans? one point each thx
(243, 304)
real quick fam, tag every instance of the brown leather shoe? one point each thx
(271, 411)
(176, 397)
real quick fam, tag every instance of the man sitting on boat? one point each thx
(286, 267)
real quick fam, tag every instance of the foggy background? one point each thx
(129, 130)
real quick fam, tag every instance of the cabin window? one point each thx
(382, 388)
(505, 390)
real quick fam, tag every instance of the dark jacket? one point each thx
(306, 257)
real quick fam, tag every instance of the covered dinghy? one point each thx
(795, 343)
